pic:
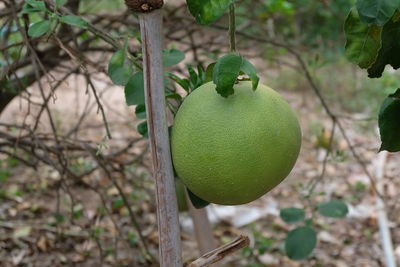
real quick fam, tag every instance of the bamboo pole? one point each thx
(150, 17)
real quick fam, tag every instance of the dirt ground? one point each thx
(30, 236)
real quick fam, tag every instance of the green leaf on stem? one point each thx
(140, 111)
(389, 53)
(292, 215)
(207, 11)
(389, 123)
(134, 90)
(333, 209)
(32, 6)
(209, 72)
(363, 42)
(300, 242)
(172, 57)
(227, 70)
(251, 71)
(184, 83)
(143, 130)
(74, 21)
(119, 72)
(39, 28)
(376, 12)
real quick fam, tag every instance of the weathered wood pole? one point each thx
(150, 16)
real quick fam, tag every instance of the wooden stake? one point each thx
(167, 207)
(202, 228)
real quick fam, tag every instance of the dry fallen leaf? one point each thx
(23, 231)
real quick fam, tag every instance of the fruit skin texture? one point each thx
(231, 151)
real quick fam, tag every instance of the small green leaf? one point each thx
(172, 57)
(227, 70)
(363, 42)
(376, 12)
(225, 73)
(32, 6)
(201, 73)
(292, 215)
(60, 3)
(184, 83)
(134, 90)
(209, 72)
(389, 123)
(197, 202)
(333, 209)
(74, 21)
(39, 28)
(118, 71)
(172, 95)
(140, 111)
(251, 71)
(143, 130)
(207, 11)
(194, 78)
(300, 242)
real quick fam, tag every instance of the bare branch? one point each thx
(221, 252)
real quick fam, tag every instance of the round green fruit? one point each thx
(231, 151)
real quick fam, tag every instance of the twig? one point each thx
(221, 252)
(232, 27)
(313, 183)
(100, 106)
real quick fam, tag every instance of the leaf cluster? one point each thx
(372, 30)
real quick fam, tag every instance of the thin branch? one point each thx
(220, 253)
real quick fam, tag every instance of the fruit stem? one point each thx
(232, 27)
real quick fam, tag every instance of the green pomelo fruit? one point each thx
(231, 151)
